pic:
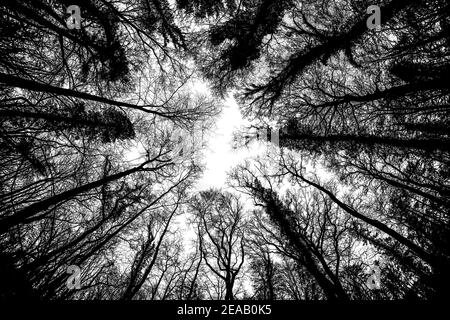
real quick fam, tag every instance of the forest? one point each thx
(99, 197)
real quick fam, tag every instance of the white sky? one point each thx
(219, 154)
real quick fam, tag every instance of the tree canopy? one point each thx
(91, 174)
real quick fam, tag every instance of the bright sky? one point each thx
(219, 154)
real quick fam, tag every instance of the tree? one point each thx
(74, 104)
(220, 229)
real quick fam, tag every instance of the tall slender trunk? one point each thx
(20, 217)
(381, 226)
(427, 144)
(305, 257)
(14, 81)
(301, 60)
